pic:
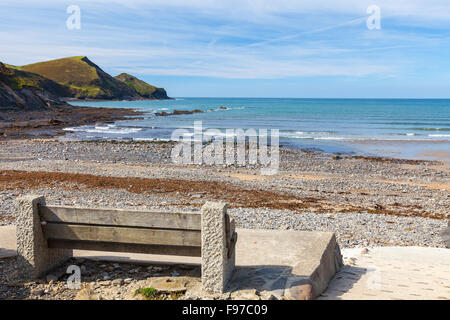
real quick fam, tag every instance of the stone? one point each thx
(34, 259)
(117, 282)
(267, 295)
(299, 290)
(37, 292)
(157, 269)
(51, 277)
(86, 294)
(247, 294)
(167, 285)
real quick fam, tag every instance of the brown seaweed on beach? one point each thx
(234, 195)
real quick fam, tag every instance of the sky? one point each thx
(246, 48)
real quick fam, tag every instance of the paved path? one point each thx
(392, 273)
(7, 241)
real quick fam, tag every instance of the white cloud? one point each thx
(228, 39)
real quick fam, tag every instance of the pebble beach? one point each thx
(365, 201)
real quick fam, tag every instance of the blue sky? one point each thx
(238, 48)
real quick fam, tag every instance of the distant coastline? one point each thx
(47, 85)
(99, 100)
(404, 128)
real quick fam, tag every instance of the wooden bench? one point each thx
(47, 235)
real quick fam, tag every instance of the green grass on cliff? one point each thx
(69, 71)
(143, 88)
(140, 86)
(84, 78)
(18, 79)
(81, 78)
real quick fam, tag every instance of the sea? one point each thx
(398, 128)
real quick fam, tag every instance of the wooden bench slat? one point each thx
(122, 234)
(126, 247)
(115, 217)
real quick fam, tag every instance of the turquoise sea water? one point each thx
(406, 128)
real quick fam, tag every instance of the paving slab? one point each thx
(7, 241)
(392, 273)
(445, 234)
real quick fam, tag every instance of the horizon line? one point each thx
(336, 98)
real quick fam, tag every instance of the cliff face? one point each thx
(20, 90)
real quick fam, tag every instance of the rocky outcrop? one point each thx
(20, 90)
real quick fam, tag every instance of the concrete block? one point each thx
(217, 264)
(288, 264)
(34, 258)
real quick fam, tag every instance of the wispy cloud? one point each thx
(233, 39)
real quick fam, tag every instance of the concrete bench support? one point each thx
(218, 252)
(34, 257)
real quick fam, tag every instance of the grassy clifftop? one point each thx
(144, 89)
(19, 79)
(84, 78)
(73, 70)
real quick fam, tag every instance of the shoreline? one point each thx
(58, 122)
(51, 123)
(100, 100)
